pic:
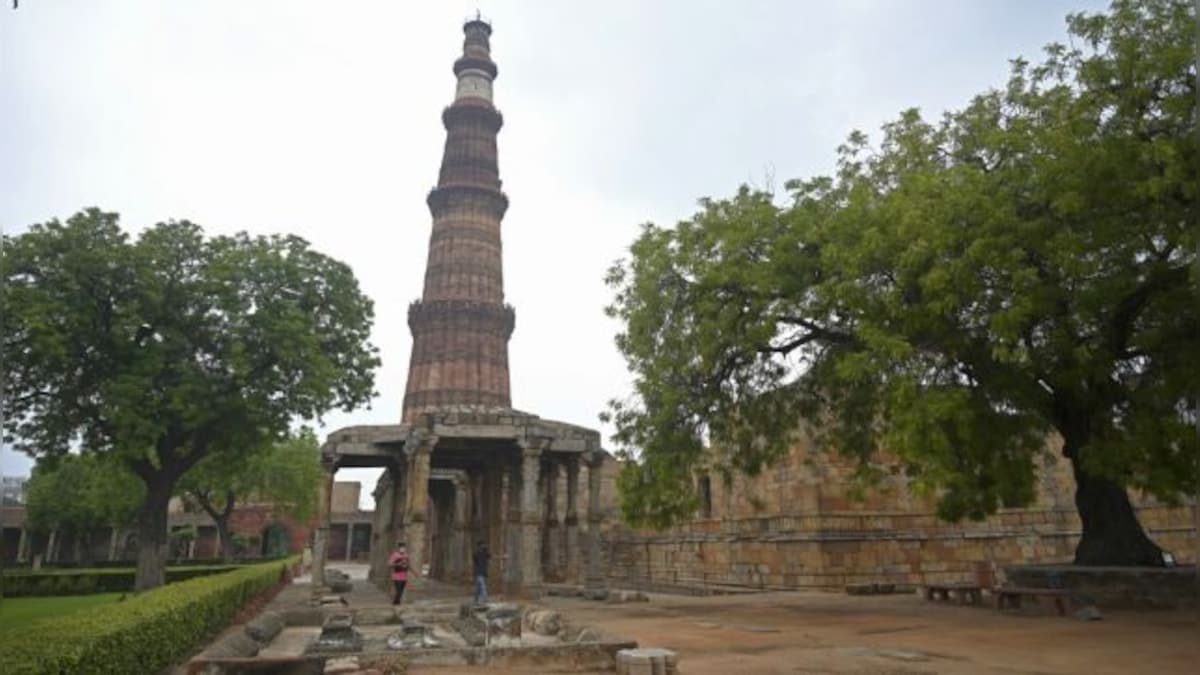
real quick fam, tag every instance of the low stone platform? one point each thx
(436, 626)
(1116, 587)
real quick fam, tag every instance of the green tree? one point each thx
(956, 294)
(284, 475)
(79, 494)
(164, 349)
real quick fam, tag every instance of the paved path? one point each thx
(775, 633)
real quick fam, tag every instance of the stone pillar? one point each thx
(349, 541)
(321, 536)
(382, 531)
(400, 479)
(552, 532)
(595, 586)
(23, 546)
(531, 519)
(511, 502)
(114, 535)
(571, 521)
(418, 506)
(192, 545)
(50, 545)
(460, 544)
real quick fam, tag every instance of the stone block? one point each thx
(544, 622)
(342, 666)
(234, 645)
(264, 627)
(647, 661)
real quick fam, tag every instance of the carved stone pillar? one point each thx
(382, 531)
(321, 536)
(531, 519)
(460, 544)
(418, 507)
(491, 519)
(552, 529)
(595, 586)
(512, 527)
(571, 521)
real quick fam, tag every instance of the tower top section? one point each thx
(475, 69)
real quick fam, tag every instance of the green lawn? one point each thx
(20, 611)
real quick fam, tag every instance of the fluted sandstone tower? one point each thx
(461, 326)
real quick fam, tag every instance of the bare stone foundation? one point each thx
(427, 635)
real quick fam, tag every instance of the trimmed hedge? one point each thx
(121, 564)
(143, 634)
(86, 581)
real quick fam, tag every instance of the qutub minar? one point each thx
(461, 326)
(463, 466)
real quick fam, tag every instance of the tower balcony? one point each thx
(473, 111)
(475, 63)
(490, 198)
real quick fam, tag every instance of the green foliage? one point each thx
(162, 350)
(24, 583)
(144, 634)
(78, 493)
(165, 348)
(953, 294)
(283, 474)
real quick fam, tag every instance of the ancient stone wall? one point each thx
(801, 525)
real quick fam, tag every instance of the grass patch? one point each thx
(15, 612)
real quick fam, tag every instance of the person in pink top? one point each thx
(399, 564)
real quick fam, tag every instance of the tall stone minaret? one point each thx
(461, 326)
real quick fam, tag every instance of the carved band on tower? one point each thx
(461, 326)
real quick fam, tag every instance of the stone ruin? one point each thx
(316, 640)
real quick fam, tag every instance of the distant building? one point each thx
(259, 530)
(12, 490)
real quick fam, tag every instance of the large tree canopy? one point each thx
(955, 295)
(161, 350)
(283, 475)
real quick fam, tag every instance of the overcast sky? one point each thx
(323, 119)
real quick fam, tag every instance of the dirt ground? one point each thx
(897, 634)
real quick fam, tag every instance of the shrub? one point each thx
(144, 634)
(84, 581)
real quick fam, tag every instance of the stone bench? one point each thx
(1010, 597)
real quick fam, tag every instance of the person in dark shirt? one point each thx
(480, 558)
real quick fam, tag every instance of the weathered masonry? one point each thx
(799, 525)
(463, 466)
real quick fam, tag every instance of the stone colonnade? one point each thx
(504, 498)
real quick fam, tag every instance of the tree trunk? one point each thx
(220, 519)
(83, 548)
(1112, 534)
(224, 538)
(152, 539)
